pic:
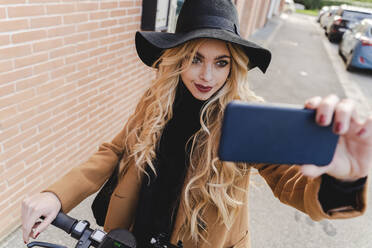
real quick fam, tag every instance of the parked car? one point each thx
(289, 7)
(356, 46)
(345, 18)
(322, 11)
(327, 16)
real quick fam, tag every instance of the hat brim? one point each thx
(150, 45)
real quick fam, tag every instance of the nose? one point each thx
(206, 72)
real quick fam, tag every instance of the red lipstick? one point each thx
(202, 88)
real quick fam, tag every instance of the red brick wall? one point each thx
(69, 77)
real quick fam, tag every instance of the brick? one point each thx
(65, 106)
(87, 80)
(51, 104)
(52, 139)
(13, 25)
(43, 127)
(49, 86)
(46, 21)
(108, 5)
(134, 11)
(7, 112)
(61, 31)
(98, 15)
(108, 23)
(31, 60)
(107, 57)
(29, 10)
(77, 57)
(29, 36)
(54, 64)
(36, 138)
(117, 30)
(15, 75)
(47, 45)
(20, 176)
(6, 90)
(20, 157)
(2, 13)
(116, 13)
(77, 75)
(87, 26)
(116, 46)
(36, 120)
(7, 134)
(18, 139)
(5, 67)
(16, 119)
(125, 20)
(63, 71)
(87, 64)
(98, 34)
(4, 40)
(12, 1)
(33, 103)
(75, 18)
(65, 122)
(60, 9)
(75, 38)
(10, 154)
(87, 6)
(125, 37)
(108, 40)
(31, 82)
(64, 51)
(87, 45)
(126, 4)
(43, 1)
(97, 68)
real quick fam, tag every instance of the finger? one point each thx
(343, 114)
(44, 224)
(325, 110)
(26, 222)
(312, 103)
(313, 171)
(365, 131)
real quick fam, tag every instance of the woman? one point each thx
(172, 183)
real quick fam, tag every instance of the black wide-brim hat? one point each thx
(217, 19)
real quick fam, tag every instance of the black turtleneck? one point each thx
(159, 197)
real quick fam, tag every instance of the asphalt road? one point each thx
(304, 64)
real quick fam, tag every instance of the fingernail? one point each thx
(338, 127)
(361, 132)
(25, 242)
(37, 235)
(321, 119)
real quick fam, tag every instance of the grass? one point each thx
(312, 12)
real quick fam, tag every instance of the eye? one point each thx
(196, 60)
(222, 63)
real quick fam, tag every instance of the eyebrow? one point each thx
(217, 58)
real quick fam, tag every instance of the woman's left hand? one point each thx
(353, 156)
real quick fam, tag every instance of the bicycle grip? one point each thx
(64, 222)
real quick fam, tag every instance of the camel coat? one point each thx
(285, 181)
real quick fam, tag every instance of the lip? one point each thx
(203, 89)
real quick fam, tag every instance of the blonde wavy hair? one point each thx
(210, 182)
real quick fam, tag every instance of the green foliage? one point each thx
(317, 4)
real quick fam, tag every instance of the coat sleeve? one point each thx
(88, 177)
(294, 189)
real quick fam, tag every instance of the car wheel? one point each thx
(331, 38)
(340, 52)
(349, 67)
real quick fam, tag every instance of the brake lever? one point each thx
(44, 244)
